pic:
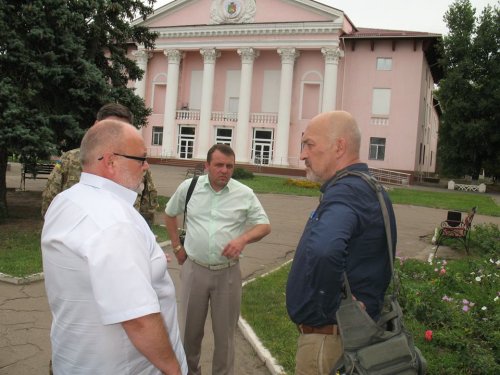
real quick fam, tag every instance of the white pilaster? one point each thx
(332, 56)
(204, 141)
(169, 143)
(288, 56)
(141, 57)
(242, 150)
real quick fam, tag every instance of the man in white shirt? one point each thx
(223, 216)
(112, 300)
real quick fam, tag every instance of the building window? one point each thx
(157, 138)
(377, 148)
(224, 136)
(185, 141)
(262, 146)
(384, 63)
(381, 102)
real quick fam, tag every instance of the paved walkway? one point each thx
(25, 316)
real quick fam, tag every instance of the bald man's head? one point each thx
(330, 143)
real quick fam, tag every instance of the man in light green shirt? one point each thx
(223, 216)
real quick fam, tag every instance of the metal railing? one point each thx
(391, 177)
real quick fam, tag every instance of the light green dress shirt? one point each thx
(215, 218)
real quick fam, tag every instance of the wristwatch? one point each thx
(177, 248)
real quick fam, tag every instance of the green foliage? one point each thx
(453, 200)
(277, 185)
(485, 238)
(263, 307)
(450, 200)
(242, 174)
(61, 61)
(468, 94)
(162, 203)
(160, 232)
(20, 253)
(458, 300)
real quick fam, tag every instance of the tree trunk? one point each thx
(3, 186)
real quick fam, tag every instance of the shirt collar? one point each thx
(103, 183)
(206, 182)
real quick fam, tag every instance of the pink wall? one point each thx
(404, 80)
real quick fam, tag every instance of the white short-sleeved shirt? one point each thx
(102, 266)
(215, 217)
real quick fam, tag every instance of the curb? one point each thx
(21, 280)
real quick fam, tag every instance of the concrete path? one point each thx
(25, 316)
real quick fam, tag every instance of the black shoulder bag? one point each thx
(383, 347)
(182, 231)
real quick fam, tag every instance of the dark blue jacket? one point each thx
(345, 233)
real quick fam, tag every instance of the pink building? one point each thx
(252, 74)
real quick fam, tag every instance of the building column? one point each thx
(332, 56)
(141, 57)
(280, 155)
(202, 136)
(242, 151)
(169, 142)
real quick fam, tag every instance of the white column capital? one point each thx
(248, 55)
(209, 55)
(173, 55)
(288, 55)
(332, 55)
(142, 56)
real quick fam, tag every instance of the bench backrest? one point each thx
(469, 218)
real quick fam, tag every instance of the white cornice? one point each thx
(256, 44)
(249, 29)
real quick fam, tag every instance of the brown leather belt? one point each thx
(330, 329)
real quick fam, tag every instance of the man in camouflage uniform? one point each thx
(67, 171)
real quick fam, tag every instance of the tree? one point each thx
(469, 93)
(60, 61)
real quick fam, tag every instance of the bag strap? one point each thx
(378, 188)
(188, 197)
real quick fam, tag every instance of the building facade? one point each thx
(252, 74)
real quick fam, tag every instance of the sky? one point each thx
(416, 15)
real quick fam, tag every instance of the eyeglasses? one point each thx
(142, 159)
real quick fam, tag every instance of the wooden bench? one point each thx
(35, 171)
(456, 229)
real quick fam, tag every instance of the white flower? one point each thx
(478, 278)
(484, 308)
(495, 299)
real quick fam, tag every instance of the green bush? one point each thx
(486, 239)
(242, 174)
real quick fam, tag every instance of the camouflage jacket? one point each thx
(66, 173)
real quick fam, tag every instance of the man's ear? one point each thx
(341, 145)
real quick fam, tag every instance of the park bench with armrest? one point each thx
(453, 227)
(35, 171)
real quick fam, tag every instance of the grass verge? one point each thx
(20, 253)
